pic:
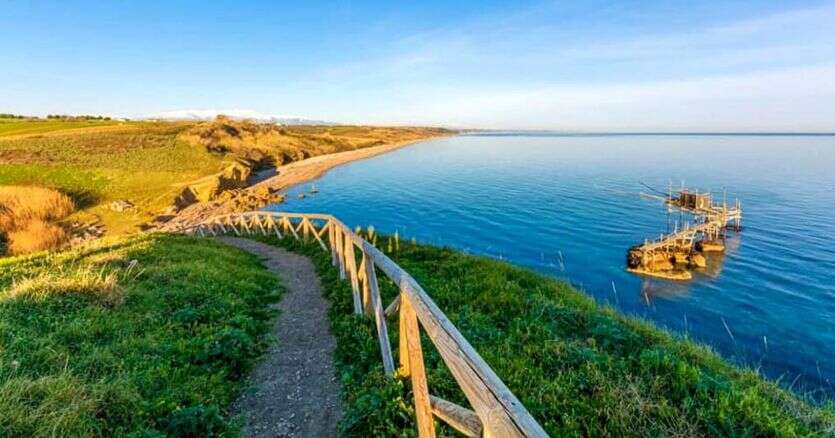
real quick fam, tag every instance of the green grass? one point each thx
(143, 162)
(150, 163)
(9, 127)
(91, 346)
(579, 368)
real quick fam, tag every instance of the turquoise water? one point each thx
(569, 206)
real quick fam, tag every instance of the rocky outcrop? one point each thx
(233, 176)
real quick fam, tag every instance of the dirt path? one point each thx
(294, 390)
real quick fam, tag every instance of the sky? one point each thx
(583, 66)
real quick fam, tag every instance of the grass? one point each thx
(150, 163)
(144, 336)
(579, 368)
(25, 215)
(11, 127)
(143, 162)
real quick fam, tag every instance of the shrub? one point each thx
(21, 204)
(25, 216)
(35, 235)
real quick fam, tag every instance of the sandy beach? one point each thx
(257, 195)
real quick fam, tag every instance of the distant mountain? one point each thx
(193, 114)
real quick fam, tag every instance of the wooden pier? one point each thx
(493, 412)
(673, 255)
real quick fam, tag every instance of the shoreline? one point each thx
(258, 195)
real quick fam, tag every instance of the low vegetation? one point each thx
(275, 144)
(579, 368)
(142, 336)
(151, 164)
(27, 218)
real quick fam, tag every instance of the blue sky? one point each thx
(576, 66)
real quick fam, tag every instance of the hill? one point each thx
(156, 168)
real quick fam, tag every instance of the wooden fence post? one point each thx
(420, 389)
(332, 242)
(403, 344)
(351, 267)
(379, 316)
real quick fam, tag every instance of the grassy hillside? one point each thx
(27, 126)
(143, 335)
(579, 368)
(101, 162)
(150, 163)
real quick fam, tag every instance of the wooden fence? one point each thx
(495, 410)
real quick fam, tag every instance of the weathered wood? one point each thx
(498, 410)
(403, 345)
(231, 224)
(260, 224)
(305, 226)
(379, 316)
(351, 267)
(324, 229)
(460, 418)
(317, 236)
(289, 226)
(332, 242)
(393, 307)
(340, 250)
(420, 389)
(364, 298)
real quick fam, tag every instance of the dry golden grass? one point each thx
(101, 284)
(267, 142)
(35, 235)
(26, 213)
(21, 204)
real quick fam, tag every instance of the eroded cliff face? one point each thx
(234, 176)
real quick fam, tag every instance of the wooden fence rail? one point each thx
(495, 410)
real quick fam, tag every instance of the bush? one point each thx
(26, 213)
(35, 235)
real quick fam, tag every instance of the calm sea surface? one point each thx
(569, 206)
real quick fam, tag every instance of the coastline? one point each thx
(259, 194)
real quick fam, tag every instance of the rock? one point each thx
(121, 205)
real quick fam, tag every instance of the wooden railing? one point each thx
(495, 410)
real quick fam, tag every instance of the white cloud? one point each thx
(790, 99)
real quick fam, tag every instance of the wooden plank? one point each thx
(420, 389)
(379, 317)
(340, 250)
(289, 226)
(402, 345)
(305, 226)
(351, 267)
(392, 308)
(324, 229)
(460, 418)
(332, 242)
(231, 224)
(500, 411)
(362, 301)
(317, 236)
(260, 224)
